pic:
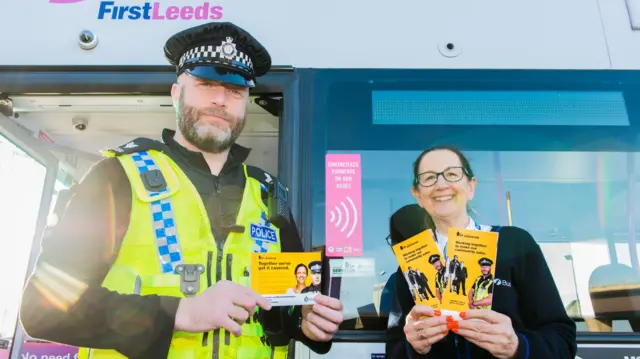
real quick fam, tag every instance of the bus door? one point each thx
(28, 175)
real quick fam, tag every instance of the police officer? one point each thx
(453, 270)
(151, 258)
(462, 276)
(316, 277)
(413, 283)
(424, 285)
(441, 283)
(481, 293)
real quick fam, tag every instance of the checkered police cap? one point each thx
(222, 46)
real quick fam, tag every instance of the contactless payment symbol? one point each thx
(344, 216)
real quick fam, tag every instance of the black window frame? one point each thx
(316, 87)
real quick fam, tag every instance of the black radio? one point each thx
(277, 204)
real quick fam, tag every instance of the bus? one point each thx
(543, 96)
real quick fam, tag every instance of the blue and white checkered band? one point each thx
(164, 226)
(226, 53)
(260, 246)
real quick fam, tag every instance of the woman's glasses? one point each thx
(451, 174)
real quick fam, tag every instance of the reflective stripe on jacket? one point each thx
(169, 229)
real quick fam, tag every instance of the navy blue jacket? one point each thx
(527, 294)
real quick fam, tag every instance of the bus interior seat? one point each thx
(614, 290)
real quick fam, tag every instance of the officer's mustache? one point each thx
(212, 111)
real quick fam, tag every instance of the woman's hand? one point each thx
(321, 320)
(493, 332)
(424, 327)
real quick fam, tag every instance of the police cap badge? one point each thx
(218, 51)
(315, 267)
(484, 261)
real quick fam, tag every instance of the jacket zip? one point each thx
(216, 333)
(209, 262)
(465, 349)
(227, 335)
(468, 346)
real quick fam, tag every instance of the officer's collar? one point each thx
(237, 154)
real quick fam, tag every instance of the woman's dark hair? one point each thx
(468, 171)
(301, 265)
(463, 160)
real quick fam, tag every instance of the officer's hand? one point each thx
(426, 326)
(320, 321)
(491, 331)
(225, 305)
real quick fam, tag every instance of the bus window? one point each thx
(573, 183)
(22, 180)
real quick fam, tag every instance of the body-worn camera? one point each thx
(277, 204)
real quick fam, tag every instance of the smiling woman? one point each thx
(525, 318)
(443, 199)
(554, 153)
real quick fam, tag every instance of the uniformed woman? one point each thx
(525, 321)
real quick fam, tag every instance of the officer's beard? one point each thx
(202, 135)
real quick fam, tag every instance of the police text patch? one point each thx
(263, 233)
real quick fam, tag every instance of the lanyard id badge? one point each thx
(475, 225)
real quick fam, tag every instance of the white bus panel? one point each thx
(531, 34)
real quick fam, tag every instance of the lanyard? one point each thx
(477, 227)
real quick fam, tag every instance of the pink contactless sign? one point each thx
(343, 205)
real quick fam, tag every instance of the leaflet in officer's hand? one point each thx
(290, 278)
(471, 260)
(421, 263)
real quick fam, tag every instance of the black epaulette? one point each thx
(274, 195)
(138, 145)
(262, 176)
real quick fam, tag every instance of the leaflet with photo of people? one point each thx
(461, 280)
(471, 258)
(287, 278)
(419, 259)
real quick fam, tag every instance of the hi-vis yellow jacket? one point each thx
(481, 290)
(169, 250)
